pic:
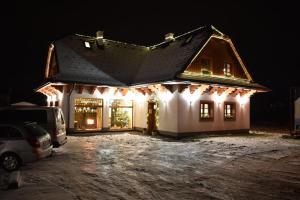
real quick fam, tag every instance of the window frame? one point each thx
(225, 69)
(232, 110)
(211, 105)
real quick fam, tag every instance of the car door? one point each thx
(3, 139)
(17, 143)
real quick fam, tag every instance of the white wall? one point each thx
(140, 113)
(177, 112)
(168, 111)
(189, 111)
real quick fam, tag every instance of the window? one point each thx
(14, 133)
(206, 110)
(229, 111)
(227, 69)
(3, 132)
(205, 66)
(39, 116)
(88, 114)
(9, 132)
(120, 114)
(87, 44)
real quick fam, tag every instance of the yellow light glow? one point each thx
(60, 96)
(242, 99)
(218, 98)
(190, 98)
(165, 96)
(90, 121)
(49, 99)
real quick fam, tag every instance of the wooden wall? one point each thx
(218, 52)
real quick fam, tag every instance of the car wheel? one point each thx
(10, 162)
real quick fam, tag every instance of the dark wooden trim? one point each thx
(182, 87)
(92, 89)
(234, 108)
(193, 88)
(211, 110)
(101, 89)
(59, 87)
(169, 87)
(79, 89)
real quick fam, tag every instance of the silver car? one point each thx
(21, 143)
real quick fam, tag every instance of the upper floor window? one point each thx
(205, 66)
(229, 111)
(206, 110)
(227, 69)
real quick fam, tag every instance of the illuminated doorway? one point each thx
(88, 114)
(120, 114)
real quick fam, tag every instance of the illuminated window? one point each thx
(227, 69)
(205, 66)
(206, 110)
(229, 111)
(87, 44)
(120, 114)
(88, 114)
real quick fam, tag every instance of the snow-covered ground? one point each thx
(133, 166)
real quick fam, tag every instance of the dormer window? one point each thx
(87, 44)
(227, 69)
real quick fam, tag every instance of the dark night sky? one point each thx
(264, 34)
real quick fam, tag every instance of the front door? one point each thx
(151, 120)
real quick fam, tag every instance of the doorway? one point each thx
(152, 116)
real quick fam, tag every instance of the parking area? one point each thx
(134, 166)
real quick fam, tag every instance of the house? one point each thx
(185, 85)
(295, 110)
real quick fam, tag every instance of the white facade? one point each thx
(178, 113)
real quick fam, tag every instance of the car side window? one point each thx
(14, 133)
(3, 132)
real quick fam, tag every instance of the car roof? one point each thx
(17, 123)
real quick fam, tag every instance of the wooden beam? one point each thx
(193, 88)
(68, 88)
(213, 90)
(124, 91)
(92, 89)
(141, 91)
(235, 92)
(244, 92)
(229, 90)
(148, 91)
(203, 88)
(59, 88)
(182, 87)
(169, 87)
(101, 89)
(79, 89)
(221, 90)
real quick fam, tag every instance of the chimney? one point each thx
(99, 38)
(169, 37)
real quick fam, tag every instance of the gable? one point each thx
(214, 56)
